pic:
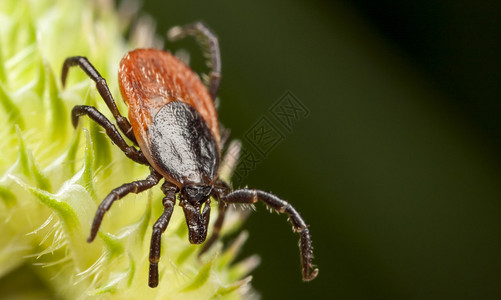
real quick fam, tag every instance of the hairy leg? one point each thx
(168, 201)
(200, 29)
(103, 89)
(111, 131)
(117, 194)
(250, 196)
(220, 189)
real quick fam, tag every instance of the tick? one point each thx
(174, 129)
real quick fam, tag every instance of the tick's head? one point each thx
(195, 201)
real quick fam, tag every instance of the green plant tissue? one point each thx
(53, 177)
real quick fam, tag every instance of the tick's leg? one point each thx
(220, 189)
(216, 229)
(200, 29)
(103, 89)
(111, 131)
(250, 196)
(169, 200)
(117, 194)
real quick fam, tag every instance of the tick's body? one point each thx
(172, 115)
(174, 123)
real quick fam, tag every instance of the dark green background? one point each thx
(397, 167)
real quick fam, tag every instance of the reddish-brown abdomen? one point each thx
(151, 78)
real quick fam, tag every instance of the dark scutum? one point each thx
(183, 145)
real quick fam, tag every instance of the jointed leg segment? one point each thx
(250, 196)
(117, 194)
(111, 131)
(220, 189)
(200, 29)
(216, 229)
(168, 201)
(103, 89)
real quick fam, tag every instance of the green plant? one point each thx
(54, 176)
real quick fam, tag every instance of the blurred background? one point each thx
(397, 165)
